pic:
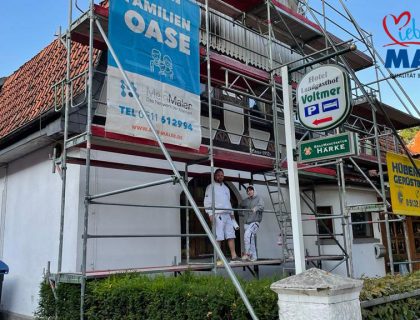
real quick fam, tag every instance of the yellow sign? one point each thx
(404, 182)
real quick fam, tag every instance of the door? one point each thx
(201, 247)
(413, 225)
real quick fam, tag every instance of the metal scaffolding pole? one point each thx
(187, 219)
(381, 177)
(88, 154)
(210, 108)
(180, 180)
(276, 130)
(347, 230)
(64, 152)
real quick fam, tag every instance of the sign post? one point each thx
(295, 210)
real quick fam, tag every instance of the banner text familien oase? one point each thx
(157, 43)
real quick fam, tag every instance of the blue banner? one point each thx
(157, 43)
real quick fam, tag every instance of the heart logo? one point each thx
(397, 20)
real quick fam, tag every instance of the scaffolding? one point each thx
(256, 49)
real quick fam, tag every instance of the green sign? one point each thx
(368, 207)
(337, 146)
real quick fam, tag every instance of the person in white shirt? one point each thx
(223, 216)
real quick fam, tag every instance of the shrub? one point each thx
(133, 296)
(190, 296)
(67, 305)
(406, 309)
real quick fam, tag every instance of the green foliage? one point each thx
(183, 297)
(408, 134)
(407, 309)
(67, 305)
(193, 297)
(133, 296)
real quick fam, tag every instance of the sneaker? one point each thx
(253, 259)
(236, 259)
(219, 263)
(245, 257)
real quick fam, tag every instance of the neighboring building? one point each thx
(414, 145)
(31, 135)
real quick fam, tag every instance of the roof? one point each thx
(414, 145)
(27, 93)
(399, 119)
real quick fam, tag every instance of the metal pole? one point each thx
(181, 181)
(317, 224)
(159, 235)
(375, 63)
(64, 152)
(273, 90)
(142, 186)
(211, 154)
(367, 178)
(337, 53)
(187, 219)
(407, 245)
(347, 230)
(377, 221)
(276, 131)
(383, 195)
(295, 209)
(88, 149)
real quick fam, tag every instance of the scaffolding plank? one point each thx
(98, 274)
(228, 159)
(113, 142)
(80, 28)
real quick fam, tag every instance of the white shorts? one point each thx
(224, 227)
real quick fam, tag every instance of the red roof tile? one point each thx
(414, 145)
(28, 92)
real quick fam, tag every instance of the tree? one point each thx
(408, 134)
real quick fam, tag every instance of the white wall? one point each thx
(364, 261)
(116, 253)
(31, 227)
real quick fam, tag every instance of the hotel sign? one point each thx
(324, 98)
(336, 146)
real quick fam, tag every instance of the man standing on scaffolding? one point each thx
(253, 216)
(223, 216)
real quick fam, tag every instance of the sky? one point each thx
(26, 27)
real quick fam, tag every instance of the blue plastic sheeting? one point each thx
(4, 268)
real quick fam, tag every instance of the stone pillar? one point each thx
(317, 294)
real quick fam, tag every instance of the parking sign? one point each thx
(324, 98)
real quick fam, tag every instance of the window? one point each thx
(416, 234)
(325, 226)
(362, 230)
(260, 109)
